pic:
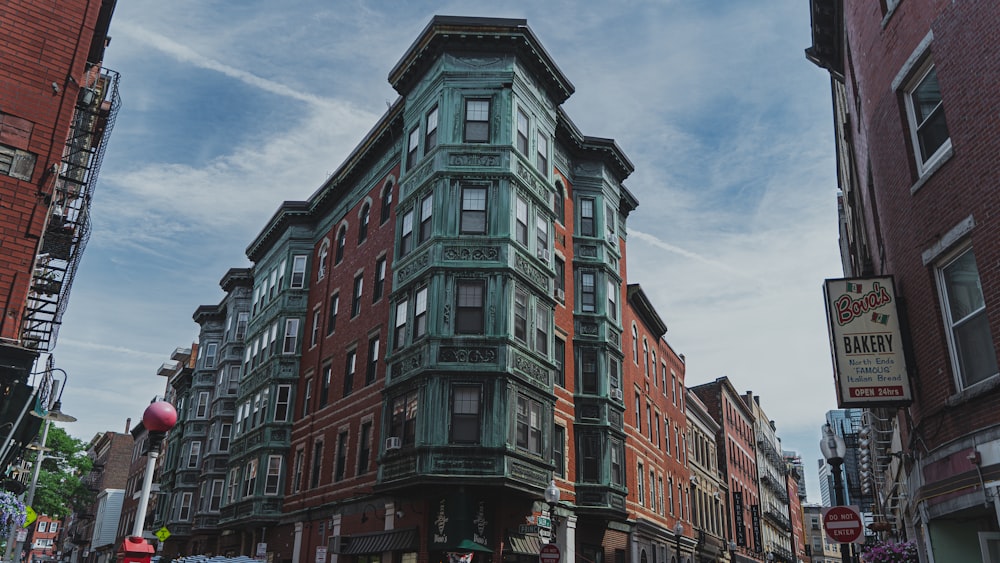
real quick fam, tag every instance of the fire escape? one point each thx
(68, 224)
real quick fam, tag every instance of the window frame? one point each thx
(471, 127)
(430, 129)
(464, 313)
(298, 276)
(925, 163)
(471, 214)
(528, 425)
(465, 426)
(958, 357)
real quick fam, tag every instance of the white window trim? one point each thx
(924, 167)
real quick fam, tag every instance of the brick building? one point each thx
(913, 85)
(57, 106)
(93, 529)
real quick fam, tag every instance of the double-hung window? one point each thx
(291, 336)
(406, 234)
(350, 366)
(363, 223)
(465, 409)
(529, 424)
(521, 315)
(250, 478)
(325, 381)
(477, 121)
(413, 145)
(341, 243)
(404, 418)
(588, 292)
(431, 135)
(542, 153)
(473, 219)
(541, 328)
(521, 221)
(378, 288)
(298, 279)
(420, 313)
(426, 214)
(331, 313)
(542, 237)
(974, 357)
(371, 369)
(469, 309)
(359, 283)
(587, 225)
(386, 203)
(925, 111)
(273, 476)
(324, 253)
(399, 336)
(522, 132)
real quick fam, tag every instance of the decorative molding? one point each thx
(477, 253)
(474, 159)
(470, 355)
(537, 276)
(409, 270)
(532, 369)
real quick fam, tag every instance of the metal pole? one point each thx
(30, 497)
(838, 494)
(8, 444)
(147, 484)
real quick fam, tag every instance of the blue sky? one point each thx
(231, 107)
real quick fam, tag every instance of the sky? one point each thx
(231, 107)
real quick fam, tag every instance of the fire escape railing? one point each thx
(68, 223)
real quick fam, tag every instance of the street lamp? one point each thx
(678, 533)
(552, 498)
(833, 447)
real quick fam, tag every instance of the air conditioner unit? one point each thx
(393, 443)
(543, 255)
(612, 238)
(616, 394)
(560, 294)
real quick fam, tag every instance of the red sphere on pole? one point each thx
(160, 416)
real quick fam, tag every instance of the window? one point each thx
(638, 413)
(379, 285)
(363, 223)
(412, 145)
(925, 111)
(613, 303)
(404, 418)
(561, 275)
(371, 369)
(399, 337)
(234, 484)
(282, 401)
(560, 360)
(341, 243)
(588, 292)
(298, 279)
(587, 217)
(202, 409)
(281, 273)
(216, 501)
(341, 466)
(324, 253)
(430, 137)
(521, 221)
(589, 464)
(559, 450)
(274, 282)
(225, 435)
(541, 329)
(542, 155)
(465, 408)
(386, 203)
(426, 214)
(350, 365)
(477, 121)
(529, 424)
(297, 471)
(635, 345)
(250, 478)
(16, 163)
(522, 132)
(641, 483)
(473, 220)
(560, 203)
(406, 234)
(364, 448)
(609, 221)
(521, 315)
(314, 338)
(469, 315)
(291, 336)
(211, 351)
(241, 325)
(588, 371)
(185, 510)
(324, 392)
(973, 355)
(359, 283)
(541, 237)
(273, 476)
(317, 464)
(307, 397)
(194, 455)
(331, 314)
(420, 313)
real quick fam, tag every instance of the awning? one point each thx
(380, 542)
(469, 545)
(522, 544)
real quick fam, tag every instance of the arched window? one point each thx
(560, 204)
(386, 202)
(363, 223)
(635, 345)
(324, 252)
(341, 241)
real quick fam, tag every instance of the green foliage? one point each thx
(59, 489)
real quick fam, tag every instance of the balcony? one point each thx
(778, 518)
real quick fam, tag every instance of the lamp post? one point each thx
(678, 534)
(833, 447)
(552, 498)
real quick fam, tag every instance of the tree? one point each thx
(60, 490)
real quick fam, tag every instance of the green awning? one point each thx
(469, 545)
(380, 542)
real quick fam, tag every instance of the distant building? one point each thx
(93, 529)
(916, 133)
(43, 540)
(819, 548)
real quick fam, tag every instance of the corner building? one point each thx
(440, 331)
(914, 87)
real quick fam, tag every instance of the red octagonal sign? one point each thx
(842, 524)
(549, 553)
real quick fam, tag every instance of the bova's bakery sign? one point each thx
(866, 342)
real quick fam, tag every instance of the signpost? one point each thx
(549, 553)
(842, 524)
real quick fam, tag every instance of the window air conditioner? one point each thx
(560, 294)
(616, 394)
(393, 443)
(543, 255)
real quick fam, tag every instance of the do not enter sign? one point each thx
(842, 524)
(549, 553)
